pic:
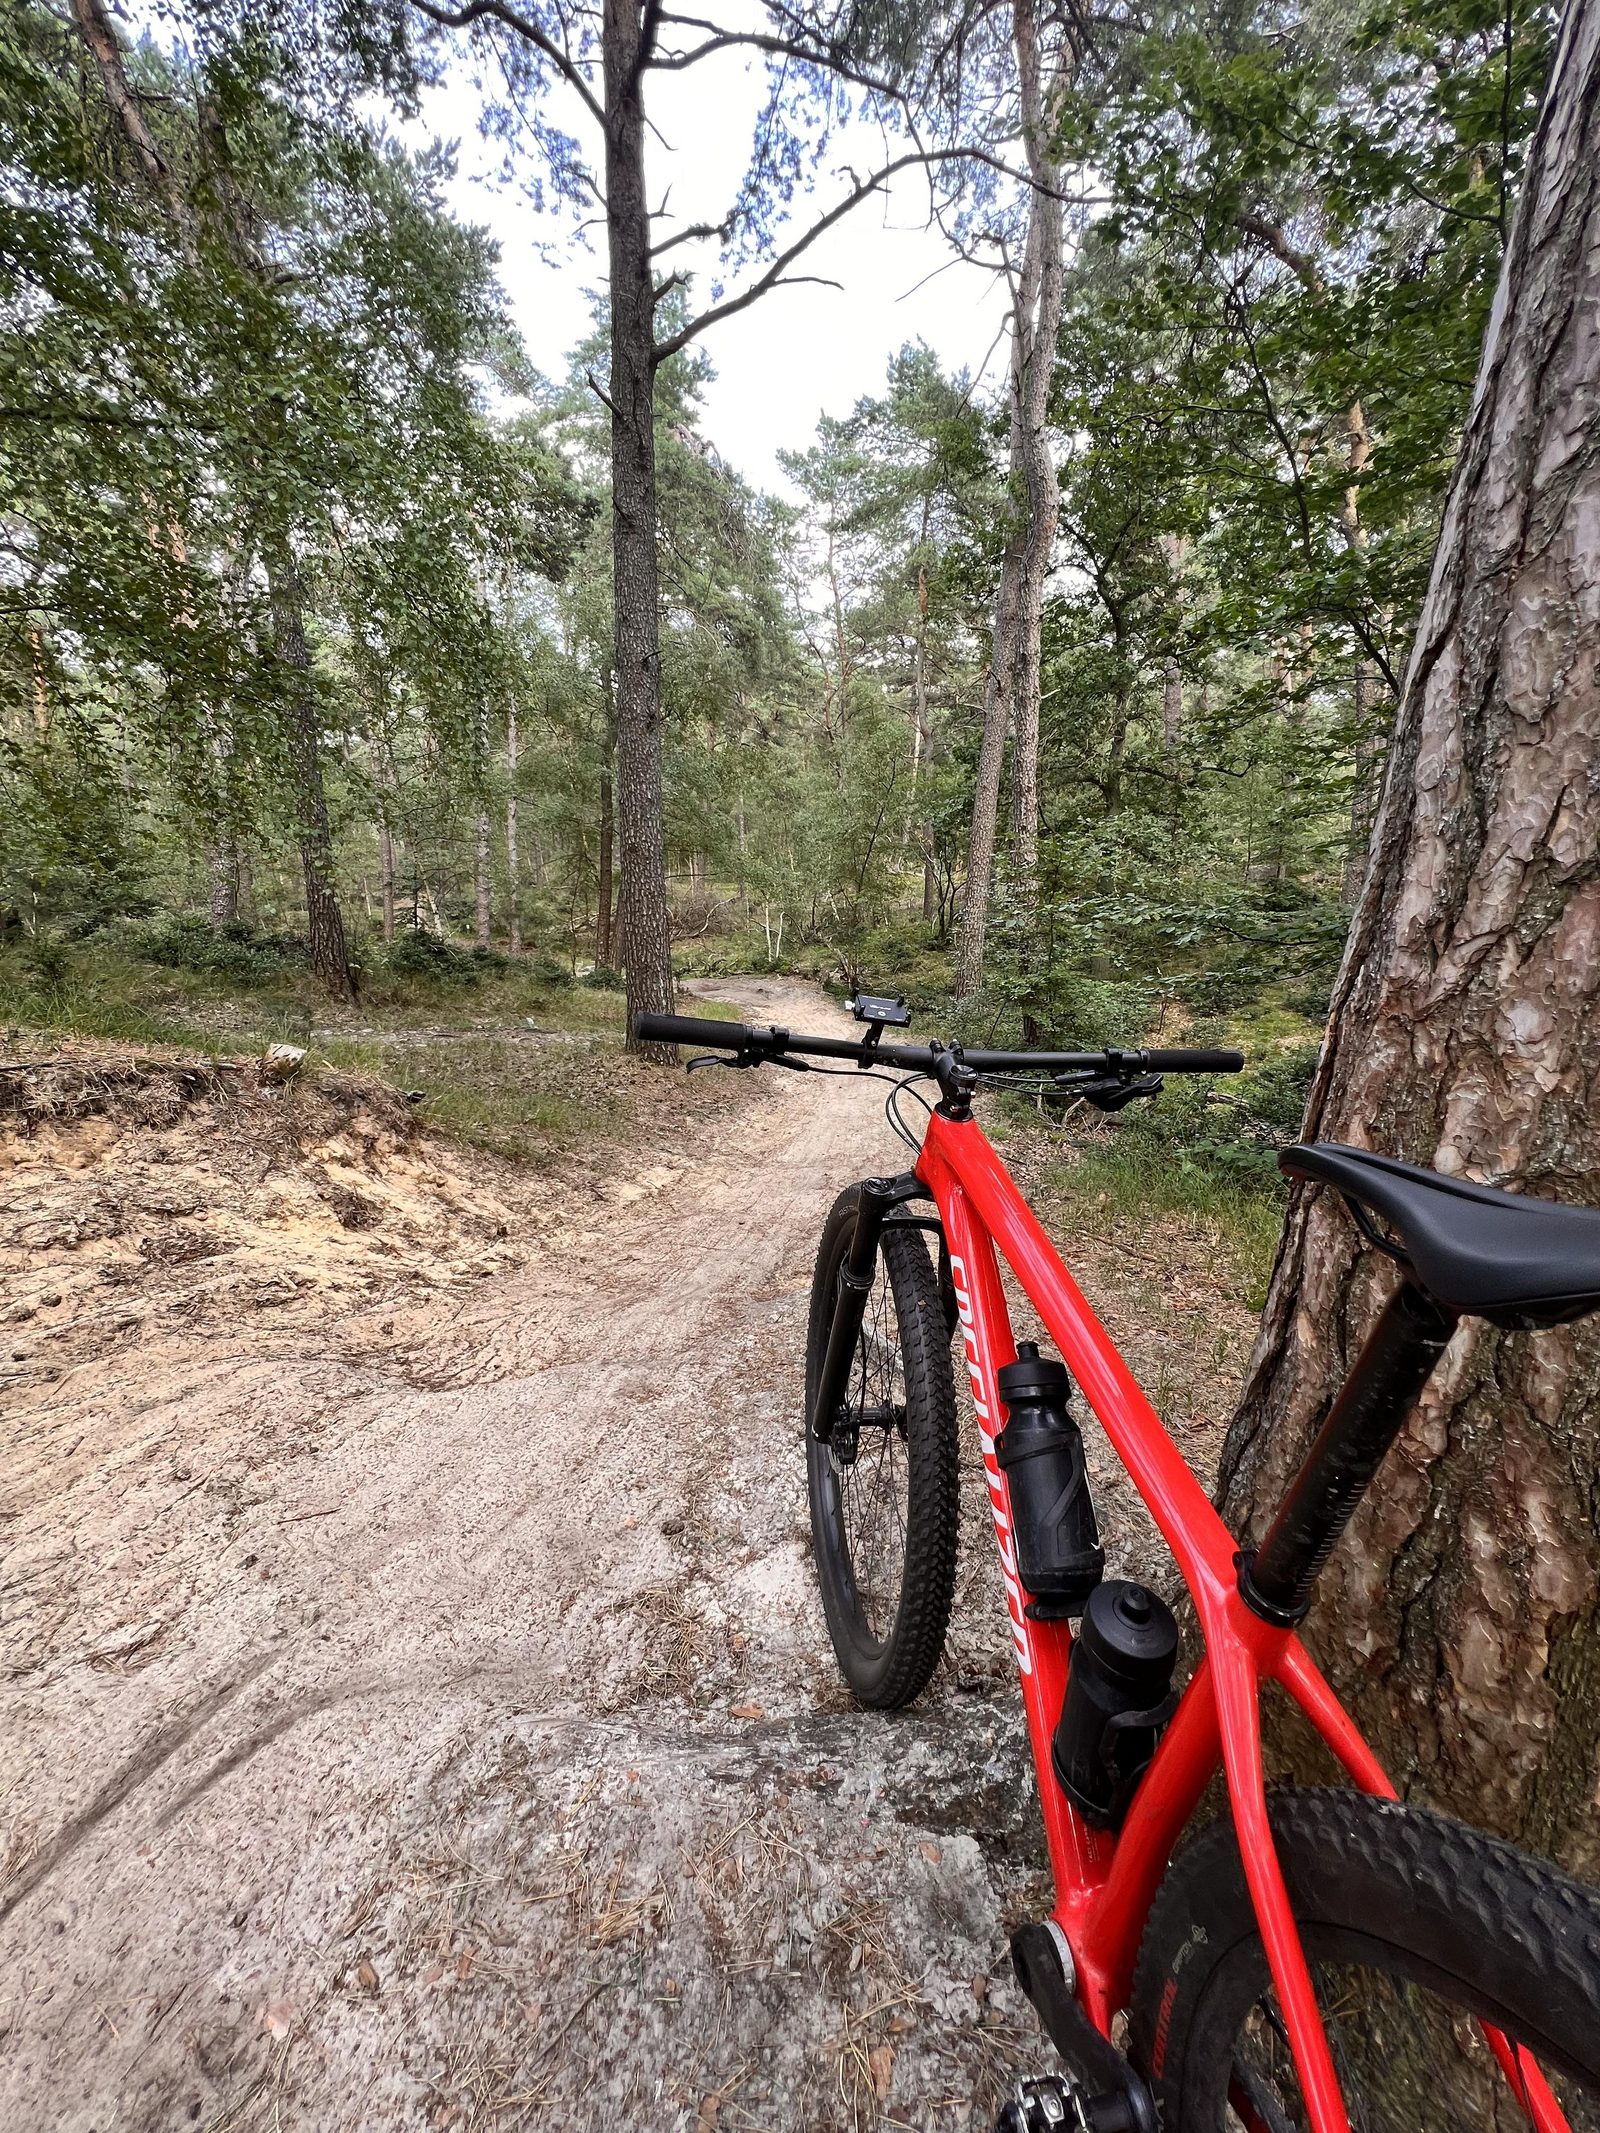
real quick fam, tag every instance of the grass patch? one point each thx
(1207, 1147)
(508, 1053)
(1134, 1181)
(517, 1096)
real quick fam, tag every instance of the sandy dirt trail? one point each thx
(490, 1766)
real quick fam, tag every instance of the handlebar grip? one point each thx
(1196, 1062)
(690, 1029)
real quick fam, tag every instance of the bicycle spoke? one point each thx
(873, 1480)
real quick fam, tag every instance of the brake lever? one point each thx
(745, 1059)
(1112, 1092)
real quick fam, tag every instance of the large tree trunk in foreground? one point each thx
(330, 960)
(1461, 1613)
(643, 922)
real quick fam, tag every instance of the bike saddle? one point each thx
(1485, 1254)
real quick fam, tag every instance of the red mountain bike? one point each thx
(1320, 1959)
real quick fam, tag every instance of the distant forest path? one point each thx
(479, 1758)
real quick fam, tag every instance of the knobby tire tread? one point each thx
(934, 1487)
(1510, 1936)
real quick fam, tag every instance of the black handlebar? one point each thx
(752, 1045)
(1192, 1062)
(687, 1029)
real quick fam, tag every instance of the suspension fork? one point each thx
(879, 1198)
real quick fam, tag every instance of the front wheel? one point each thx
(1417, 1930)
(884, 1490)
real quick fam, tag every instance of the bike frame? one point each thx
(1106, 1881)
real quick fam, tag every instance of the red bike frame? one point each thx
(1105, 1882)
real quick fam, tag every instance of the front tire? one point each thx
(1416, 1928)
(884, 1498)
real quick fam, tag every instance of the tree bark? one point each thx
(105, 48)
(1033, 353)
(482, 880)
(1461, 1615)
(330, 959)
(643, 918)
(513, 857)
(386, 875)
(1175, 549)
(998, 688)
(222, 867)
(1011, 688)
(602, 902)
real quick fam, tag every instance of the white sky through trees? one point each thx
(799, 352)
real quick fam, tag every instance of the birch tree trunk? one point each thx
(330, 960)
(483, 881)
(646, 938)
(513, 857)
(1461, 1614)
(222, 869)
(386, 875)
(1175, 549)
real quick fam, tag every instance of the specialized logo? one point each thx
(986, 1402)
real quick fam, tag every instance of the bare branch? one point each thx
(600, 393)
(810, 52)
(863, 189)
(722, 231)
(459, 18)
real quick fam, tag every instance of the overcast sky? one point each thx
(798, 352)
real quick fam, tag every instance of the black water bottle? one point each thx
(1119, 1697)
(1059, 1557)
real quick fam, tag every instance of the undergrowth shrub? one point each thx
(233, 951)
(418, 954)
(1224, 1130)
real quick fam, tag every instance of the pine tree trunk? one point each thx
(1033, 360)
(644, 923)
(330, 960)
(1011, 695)
(513, 858)
(602, 902)
(998, 688)
(1462, 1613)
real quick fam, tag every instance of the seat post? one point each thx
(1277, 1577)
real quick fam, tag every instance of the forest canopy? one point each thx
(307, 603)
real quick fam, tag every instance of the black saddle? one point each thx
(1485, 1254)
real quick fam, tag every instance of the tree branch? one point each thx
(829, 56)
(863, 189)
(459, 18)
(722, 231)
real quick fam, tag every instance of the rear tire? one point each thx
(1415, 1927)
(884, 1509)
